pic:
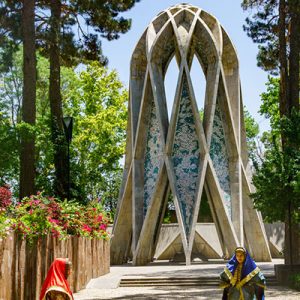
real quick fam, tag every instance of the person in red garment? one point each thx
(56, 286)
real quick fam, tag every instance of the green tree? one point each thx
(10, 116)
(96, 99)
(269, 107)
(275, 26)
(252, 131)
(277, 178)
(17, 24)
(65, 49)
(56, 24)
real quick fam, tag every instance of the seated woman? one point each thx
(241, 278)
(56, 286)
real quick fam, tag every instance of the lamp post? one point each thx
(68, 127)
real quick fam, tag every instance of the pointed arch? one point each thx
(182, 152)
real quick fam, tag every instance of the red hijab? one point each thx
(56, 279)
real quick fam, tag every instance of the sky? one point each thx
(231, 17)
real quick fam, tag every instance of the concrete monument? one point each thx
(185, 155)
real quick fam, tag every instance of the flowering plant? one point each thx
(5, 224)
(34, 215)
(38, 215)
(5, 202)
(5, 196)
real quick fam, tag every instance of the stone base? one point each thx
(284, 273)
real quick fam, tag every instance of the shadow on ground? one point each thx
(274, 293)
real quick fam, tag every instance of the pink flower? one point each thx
(103, 226)
(54, 232)
(53, 221)
(86, 228)
(99, 218)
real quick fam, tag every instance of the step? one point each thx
(178, 281)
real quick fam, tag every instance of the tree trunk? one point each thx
(58, 137)
(292, 231)
(27, 147)
(294, 57)
(283, 91)
(289, 99)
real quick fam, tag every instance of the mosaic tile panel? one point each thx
(219, 156)
(186, 158)
(153, 156)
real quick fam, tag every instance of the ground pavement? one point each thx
(107, 286)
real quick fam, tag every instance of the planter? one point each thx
(23, 266)
(284, 273)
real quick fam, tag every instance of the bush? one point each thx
(296, 282)
(38, 215)
(5, 196)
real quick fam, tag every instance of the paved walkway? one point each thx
(106, 287)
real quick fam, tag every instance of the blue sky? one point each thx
(231, 17)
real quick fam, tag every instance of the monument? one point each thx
(185, 155)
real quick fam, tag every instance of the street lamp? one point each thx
(68, 127)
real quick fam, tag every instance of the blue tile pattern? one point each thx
(153, 157)
(219, 156)
(186, 158)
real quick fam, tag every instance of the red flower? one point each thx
(53, 221)
(5, 196)
(54, 232)
(103, 226)
(86, 228)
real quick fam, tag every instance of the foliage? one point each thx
(68, 33)
(5, 223)
(262, 27)
(269, 107)
(38, 215)
(252, 131)
(97, 103)
(5, 203)
(82, 25)
(10, 99)
(277, 179)
(96, 99)
(296, 282)
(110, 190)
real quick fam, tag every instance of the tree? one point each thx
(56, 22)
(96, 99)
(15, 17)
(252, 131)
(276, 27)
(269, 107)
(277, 180)
(27, 146)
(58, 138)
(99, 17)
(10, 116)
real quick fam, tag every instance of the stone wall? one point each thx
(24, 265)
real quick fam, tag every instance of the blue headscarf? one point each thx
(249, 264)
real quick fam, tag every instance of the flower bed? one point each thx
(38, 216)
(38, 229)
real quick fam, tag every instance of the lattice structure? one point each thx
(185, 155)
